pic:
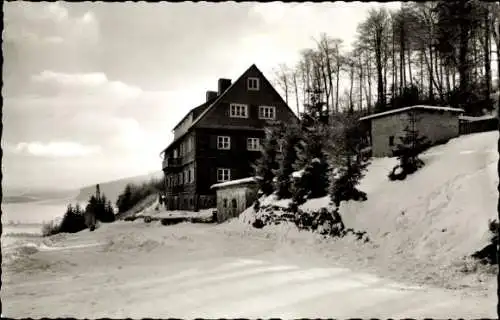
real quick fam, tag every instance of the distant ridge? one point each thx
(112, 189)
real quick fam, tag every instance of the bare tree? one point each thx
(374, 32)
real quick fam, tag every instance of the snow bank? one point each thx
(316, 204)
(272, 200)
(441, 212)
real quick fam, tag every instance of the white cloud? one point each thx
(56, 149)
(56, 12)
(86, 84)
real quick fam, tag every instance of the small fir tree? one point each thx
(291, 139)
(407, 151)
(311, 161)
(267, 164)
(345, 157)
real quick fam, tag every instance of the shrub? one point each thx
(148, 219)
(258, 223)
(488, 255)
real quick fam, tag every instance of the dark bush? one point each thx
(148, 219)
(258, 223)
(73, 220)
(488, 255)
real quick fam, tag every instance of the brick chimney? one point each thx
(211, 95)
(223, 85)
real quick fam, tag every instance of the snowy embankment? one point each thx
(439, 213)
(426, 225)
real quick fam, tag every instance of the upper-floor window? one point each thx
(175, 155)
(192, 174)
(223, 175)
(223, 142)
(253, 144)
(253, 84)
(238, 110)
(267, 112)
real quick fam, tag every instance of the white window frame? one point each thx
(223, 174)
(223, 142)
(253, 144)
(238, 110)
(251, 81)
(265, 112)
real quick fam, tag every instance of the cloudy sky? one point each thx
(92, 90)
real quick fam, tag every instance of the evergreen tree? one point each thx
(347, 141)
(291, 139)
(408, 150)
(312, 160)
(78, 209)
(311, 146)
(313, 183)
(124, 200)
(314, 110)
(267, 164)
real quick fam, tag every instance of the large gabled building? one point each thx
(220, 139)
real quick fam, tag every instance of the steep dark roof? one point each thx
(212, 104)
(195, 111)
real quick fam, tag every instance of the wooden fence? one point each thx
(474, 126)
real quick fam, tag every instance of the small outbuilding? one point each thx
(234, 196)
(437, 124)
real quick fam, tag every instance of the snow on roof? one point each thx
(235, 182)
(421, 107)
(483, 117)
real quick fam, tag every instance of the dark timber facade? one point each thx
(220, 139)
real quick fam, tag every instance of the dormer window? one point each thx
(238, 110)
(253, 84)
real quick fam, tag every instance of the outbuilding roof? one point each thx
(417, 107)
(235, 182)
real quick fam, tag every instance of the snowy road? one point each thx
(191, 272)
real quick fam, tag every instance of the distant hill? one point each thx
(23, 195)
(112, 189)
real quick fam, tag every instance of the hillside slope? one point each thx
(421, 230)
(438, 214)
(113, 188)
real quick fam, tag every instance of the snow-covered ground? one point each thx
(419, 228)
(133, 269)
